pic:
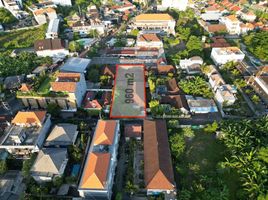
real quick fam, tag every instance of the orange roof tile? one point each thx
(133, 130)
(211, 8)
(158, 171)
(149, 38)
(30, 117)
(153, 17)
(95, 171)
(232, 18)
(44, 10)
(25, 87)
(63, 86)
(104, 134)
(68, 75)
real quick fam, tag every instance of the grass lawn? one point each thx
(201, 156)
(22, 38)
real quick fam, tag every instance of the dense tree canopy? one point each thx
(248, 145)
(22, 38)
(196, 86)
(6, 17)
(24, 63)
(257, 44)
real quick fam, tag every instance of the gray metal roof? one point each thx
(75, 64)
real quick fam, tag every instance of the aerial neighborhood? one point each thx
(134, 99)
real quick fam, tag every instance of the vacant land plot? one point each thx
(197, 171)
(129, 92)
(21, 38)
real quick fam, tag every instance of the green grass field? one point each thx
(22, 38)
(202, 154)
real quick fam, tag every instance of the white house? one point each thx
(42, 15)
(149, 40)
(155, 22)
(192, 65)
(50, 163)
(248, 16)
(62, 2)
(53, 29)
(72, 83)
(177, 4)
(211, 14)
(215, 81)
(15, 7)
(232, 24)
(225, 95)
(223, 55)
(51, 47)
(27, 133)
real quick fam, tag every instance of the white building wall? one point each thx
(177, 4)
(60, 53)
(224, 58)
(43, 133)
(63, 2)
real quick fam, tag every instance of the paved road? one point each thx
(201, 119)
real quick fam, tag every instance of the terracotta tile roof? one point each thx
(177, 101)
(165, 69)
(48, 44)
(235, 8)
(104, 133)
(232, 18)
(216, 28)
(92, 104)
(133, 130)
(149, 38)
(63, 86)
(68, 75)
(30, 117)
(153, 17)
(158, 172)
(211, 2)
(211, 8)
(96, 171)
(25, 87)
(225, 2)
(44, 10)
(172, 86)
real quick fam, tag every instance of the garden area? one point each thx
(231, 166)
(257, 44)
(196, 86)
(196, 155)
(6, 17)
(187, 41)
(22, 38)
(23, 63)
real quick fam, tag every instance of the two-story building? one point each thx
(67, 91)
(155, 22)
(149, 40)
(55, 48)
(223, 55)
(26, 134)
(232, 24)
(97, 178)
(50, 163)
